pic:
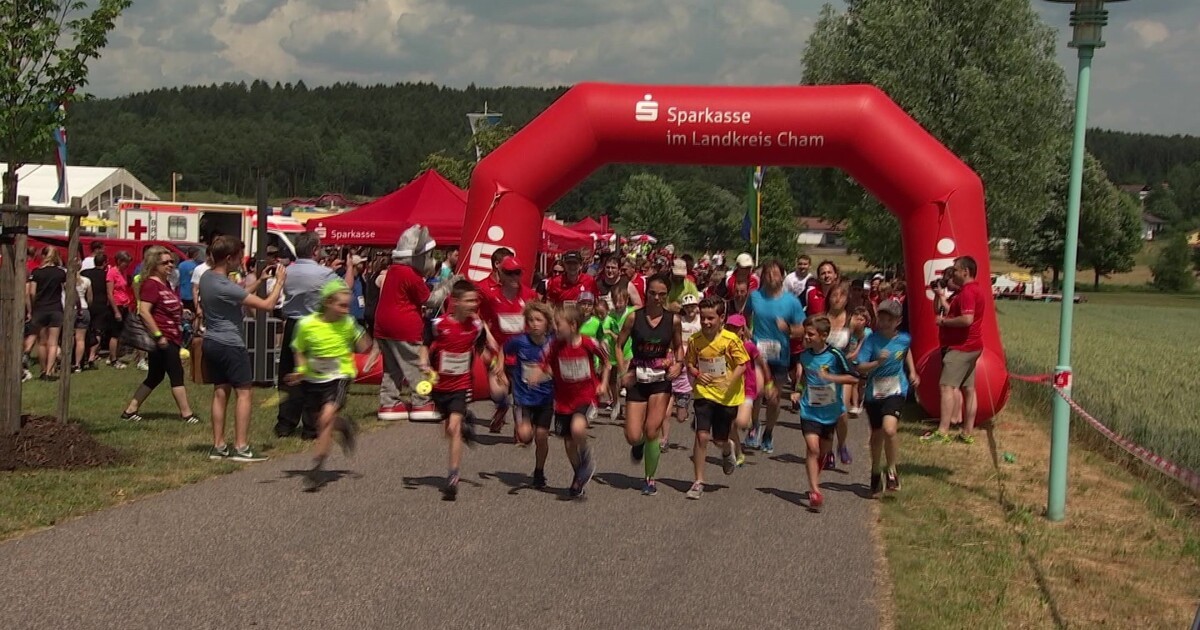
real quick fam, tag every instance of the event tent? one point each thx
(430, 200)
(588, 225)
(558, 238)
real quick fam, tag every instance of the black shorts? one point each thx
(562, 421)
(824, 431)
(714, 418)
(115, 326)
(879, 407)
(641, 392)
(317, 395)
(781, 376)
(541, 417)
(451, 402)
(83, 319)
(227, 365)
(46, 319)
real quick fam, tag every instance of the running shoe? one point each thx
(539, 479)
(741, 460)
(497, 420)
(768, 444)
(587, 468)
(893, 481)
(728, 463)
(637, 451)
(347, 432)
(131, 416)
(856, 411)
(467, 431)
(192, 419)
(876, 485)
(696, 491)
(830, 462)
(935, 437)
(143, 365)
(575, 491)
(314, 478)
(26, 375)
(965, 439)
(816, 501)
(450, 492)
(246, 454)
(752, 440)
(844, 454)
(221, 452)
(649, 488)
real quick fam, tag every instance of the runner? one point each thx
(534, 401)
(777, 315)
(859, 332)
(571, 363)
(756, 369)
(717, 360)
(452, 341)
(503, 310)
(657, 359)
(682, 386)
(491, 284)
(827, 277)
(839, 337)
(325, 343)
(564, 289)
(824, 369)
(888, 363)
(612, 326)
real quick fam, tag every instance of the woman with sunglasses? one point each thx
(162, 311)
(657, 336)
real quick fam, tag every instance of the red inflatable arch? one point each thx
(937, 198)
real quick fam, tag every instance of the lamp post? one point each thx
(1088, 18)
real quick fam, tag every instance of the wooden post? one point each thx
(12, 306)
(69, 308)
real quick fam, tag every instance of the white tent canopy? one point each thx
(99, 186)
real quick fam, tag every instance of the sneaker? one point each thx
(498, 420)
(192, 419)
(26, 375)
(468, 430)
(575, 491)
(876, 485)
(768, 444)
(844, 455)
(221, 452)
(347, 433)
(398, 411)
(741, 460)
(131, 417)
(893, 481)
(117, 365)
(76, 370)
(830, 462)
(649, 488)
(246, 454)
(816, 501)
(752, 441)
(143, 365)
(935, 437)
(539, 479)
(314, 478)
(587, 468)
(424, 412)
(965, 439)
(637, 451)
(450, 492)
(696, 491)
(856, 411)
(728, 463)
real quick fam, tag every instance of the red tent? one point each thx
(558, 238)
(589, 226)
(430, 200)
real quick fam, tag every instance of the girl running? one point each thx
(839, 338)
(681, 387)
(534, 400)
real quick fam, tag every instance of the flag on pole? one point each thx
(751, 220)
(60, 151)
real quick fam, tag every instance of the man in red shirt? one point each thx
(744, 270)
(960, 332)
(504, 313)
(491, 284)
(565, 289)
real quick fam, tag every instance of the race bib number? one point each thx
(530, 371)
(770, 349)
(885, 386)
(455, 363)
(650, 375)
(324, 366)
(574, 370)
(567, 303)
(362, 302)
(713, 367)
(821, 395)
(512, 324)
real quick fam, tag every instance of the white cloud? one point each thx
(1149, 32)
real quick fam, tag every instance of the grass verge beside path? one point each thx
(968, 548)
(162, 452)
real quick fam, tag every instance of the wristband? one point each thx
(158, 334)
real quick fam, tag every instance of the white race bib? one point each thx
(713, 367)
(574, 370)
(455, 363)
(362, 302)
(770, 349)
(650, 375)
(839, 338)
(512, 323)
(324, 366)
(567, 303)
(529, 371)
(822, 395)
(885, 386)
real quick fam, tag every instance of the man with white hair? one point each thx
(743, 268)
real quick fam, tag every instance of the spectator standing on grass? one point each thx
(160, 309)
(95, 248)
(226, 362)
(120, 299)
(302, 289)
(960, 332)
(187, 269)
(99, 307)
(44, 308)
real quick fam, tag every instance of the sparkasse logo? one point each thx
(646, 109)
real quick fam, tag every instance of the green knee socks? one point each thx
(651, 457)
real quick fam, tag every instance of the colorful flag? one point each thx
(60, 151)
(750, 222)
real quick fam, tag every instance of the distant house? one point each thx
(1137, 191)
(818, 232)
(1193, 238)
(1151, 226)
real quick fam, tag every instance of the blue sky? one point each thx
(1147, 79)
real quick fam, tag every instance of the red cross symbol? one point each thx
(137, 230)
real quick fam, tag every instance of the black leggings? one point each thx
(164, 362)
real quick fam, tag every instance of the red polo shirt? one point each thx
(968, 301)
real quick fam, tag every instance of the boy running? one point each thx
(717, 360)
(535, 401)
(681, 387)
(756, 370)
(823, 370)
(885, 358)
(325, 343)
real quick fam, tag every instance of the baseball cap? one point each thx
(891, 307)
(736, 320)
(572, 257)
(745, 260)
(878, 276)
(679, 268)
(586, 296)
(689, 299)
(510, 263)
(355, 259)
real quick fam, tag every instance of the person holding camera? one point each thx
(302, 291)
(960, 331)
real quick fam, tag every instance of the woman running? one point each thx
(837, 298)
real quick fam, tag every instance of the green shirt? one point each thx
(328, 347)
(612, 329)
(591, 328)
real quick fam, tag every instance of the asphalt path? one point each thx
(378, 548)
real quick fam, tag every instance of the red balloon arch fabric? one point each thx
(936, 197)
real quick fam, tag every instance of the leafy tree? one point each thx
(46, 47)
(1114, 246)
(458, 170)
(981, 77)
(714, 215)
(649, 206)
(1196, 258)
(778, 229)
(1172, 270)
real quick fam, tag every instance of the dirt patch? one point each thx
(44, 442)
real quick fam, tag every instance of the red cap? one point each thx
(511, 264)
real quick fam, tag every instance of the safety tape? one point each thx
(1182, 474)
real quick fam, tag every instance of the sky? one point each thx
(1146, 79)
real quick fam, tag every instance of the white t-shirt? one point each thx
(794, 284)
(88, 263)
(196, 275)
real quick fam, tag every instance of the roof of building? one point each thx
(1150, 218)
(817, 224)
(39, 182)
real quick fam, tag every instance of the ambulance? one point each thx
(143, 219)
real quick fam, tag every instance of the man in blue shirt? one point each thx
(776, 316)
(186, 268)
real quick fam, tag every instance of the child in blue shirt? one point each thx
(886, 359)
(535, 402)
(824, 369)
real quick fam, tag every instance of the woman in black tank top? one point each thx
(657, 340)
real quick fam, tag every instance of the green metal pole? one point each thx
(1061, 428)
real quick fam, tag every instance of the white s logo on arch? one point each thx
(646, 109)
(479, 264)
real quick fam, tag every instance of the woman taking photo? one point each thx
(45, 308)
(162, 311)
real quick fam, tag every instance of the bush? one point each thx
(1173, 268)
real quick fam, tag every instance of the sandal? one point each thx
(935, 436)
